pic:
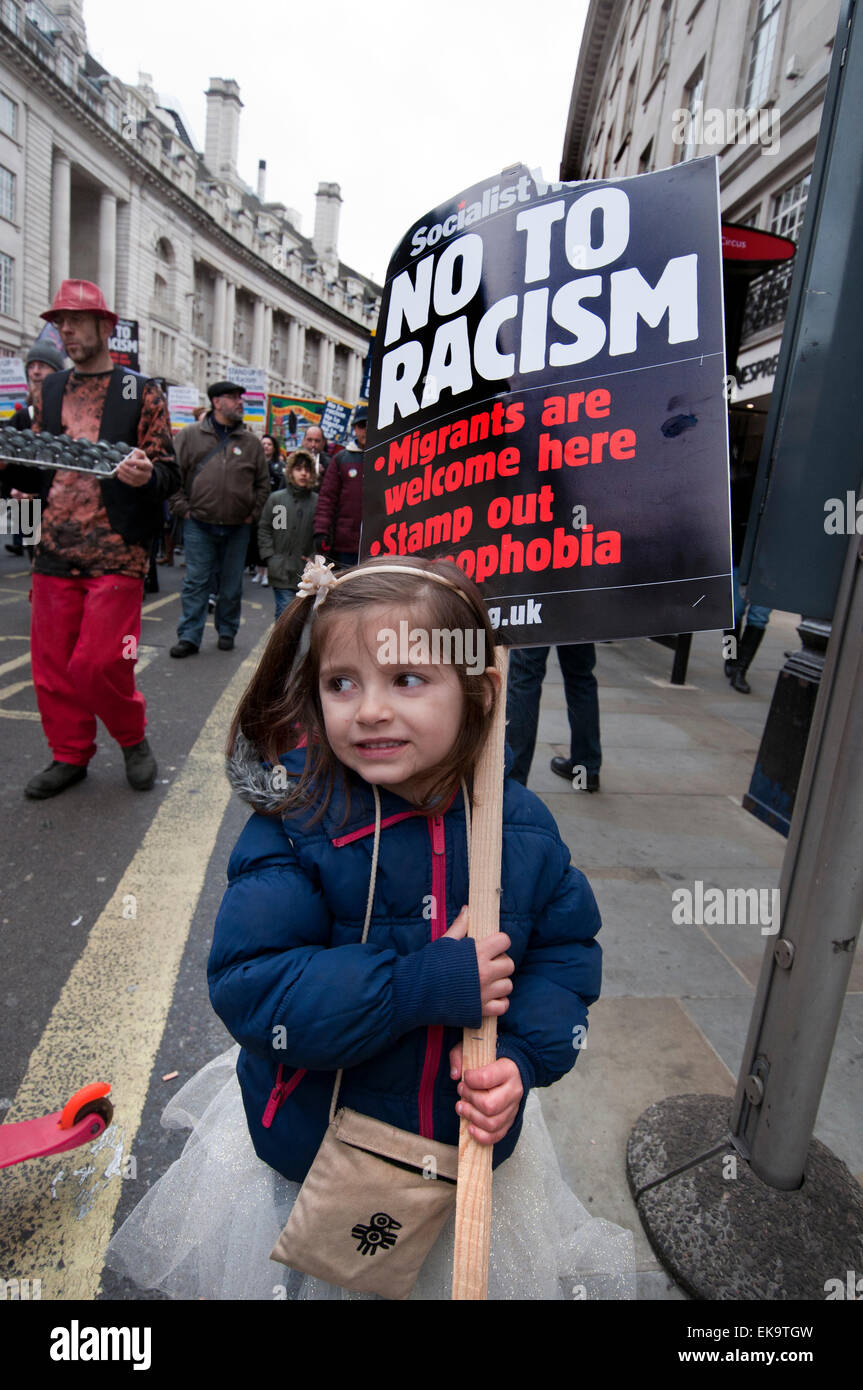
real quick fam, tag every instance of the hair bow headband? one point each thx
(318, 578)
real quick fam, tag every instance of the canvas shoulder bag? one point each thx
(376, 1197)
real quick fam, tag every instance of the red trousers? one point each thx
(84, 637)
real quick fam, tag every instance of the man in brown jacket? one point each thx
(225, 482)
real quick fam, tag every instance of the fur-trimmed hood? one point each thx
(252, 779)
(254, 782)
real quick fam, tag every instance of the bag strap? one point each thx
(205, 460)
(371, 896)
(366, 924)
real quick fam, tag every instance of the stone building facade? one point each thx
(101, 181)
(660, 81)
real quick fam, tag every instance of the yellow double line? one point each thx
(108, 1023)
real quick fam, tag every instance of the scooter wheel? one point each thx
(89, 1100)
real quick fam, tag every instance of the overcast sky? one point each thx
(401, 105)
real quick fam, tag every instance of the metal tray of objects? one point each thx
(102, 472)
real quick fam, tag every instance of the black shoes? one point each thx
(586, 781)
(53, 780)
(749, 644)
(141, 766)
(15, 549)
(225, 644)
(141, 772)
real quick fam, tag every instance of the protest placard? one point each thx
(123, 344)
(182, 402)
(547, 409)
(335, 419)
(13, 386)
(547, 404)
(252, 379)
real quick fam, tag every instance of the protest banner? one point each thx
(254, 383)
(123, 344)
(182, 402)
(13, 386)
(290, 416)
(570, 456)
(335, 419)
(366, 386)
(252, 379)
(548, 406)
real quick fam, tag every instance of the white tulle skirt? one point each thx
(206, 1229)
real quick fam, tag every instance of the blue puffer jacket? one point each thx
(296, 988)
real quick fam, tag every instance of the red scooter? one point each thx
(84, 1116)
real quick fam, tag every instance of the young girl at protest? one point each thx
(372, 806)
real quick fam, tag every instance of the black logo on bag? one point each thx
(378, 1234)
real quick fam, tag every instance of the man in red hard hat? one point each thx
(92, 558)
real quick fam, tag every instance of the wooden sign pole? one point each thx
(473, 1200)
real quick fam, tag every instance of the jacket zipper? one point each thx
(280, 1093)
(434, 1035)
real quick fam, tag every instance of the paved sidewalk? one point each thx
(676, 1000)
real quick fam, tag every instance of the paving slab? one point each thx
(638, 1051)
(677, 999)
(646, 954)
(664, 832)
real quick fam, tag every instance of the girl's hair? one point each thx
(280, 709)
(277, 448)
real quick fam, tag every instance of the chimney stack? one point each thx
(71, 15)
(262, 180)
(325, 238)
(223, 126)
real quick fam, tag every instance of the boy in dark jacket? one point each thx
(285, 528)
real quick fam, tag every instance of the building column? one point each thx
(291, 363)
(268, 337)
(299, 376)
(108, 246)
(230, 307)
(217, 347)
(258, 336)
(61, 212)
(355, 379)
(325, 366)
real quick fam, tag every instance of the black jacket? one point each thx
(135, 513)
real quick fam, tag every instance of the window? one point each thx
(43, 18)
(629, 110)
(12, 16)
(67, 69)
(8, 115)
(645, 157)
(7, 194)
(761, 55)
(663, 41)
(788, 209)
(7, 268)
(112, 114)
(749, 219)
(693, 100)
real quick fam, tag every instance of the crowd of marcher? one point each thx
(236, 505)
